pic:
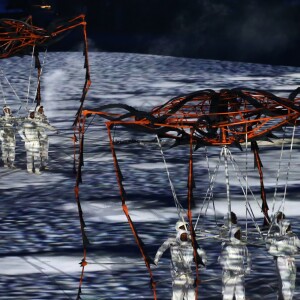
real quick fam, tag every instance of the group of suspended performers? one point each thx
(230, 117)
(32, 130)
(235, 260)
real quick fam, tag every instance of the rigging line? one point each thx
(248, 186)
(211, 197)
(29, 79)
(176, 201)
(248, 208)
(210, 188)
(209, 175)
(2, 90)
(287, 177)
(215, 214)
(285, 189)
(225, 152)
(10, 85)
(39, 78)
(278, 174)
(288, 168)
(211, 184)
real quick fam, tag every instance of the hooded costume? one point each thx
(7, 137)
(42, 125)
(283, 246)
(182, 258)
(180, 224)
(30, 135)
(235, 261)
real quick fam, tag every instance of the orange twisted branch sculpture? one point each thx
(19, 37)
(203, 118)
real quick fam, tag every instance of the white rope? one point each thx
(277, 177)
(211, 196)
(10, 85)
(288, 168)
(29, 79)
(225, 150)
(176, 201)
(252, 194)
(2, 90)
(209, 192)
(248, 206)
(282, 204)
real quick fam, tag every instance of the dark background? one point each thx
(250, 31)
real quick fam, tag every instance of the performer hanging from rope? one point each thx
(7, 137)
(236, 263)
(43, 124)
(280, 217)
(283, 246)
(182, 258)
(181, 225)
(228, 225)
(29, 133)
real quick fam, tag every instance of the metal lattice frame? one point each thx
(202, 118)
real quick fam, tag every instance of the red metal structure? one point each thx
(203, 118)
(19, 37)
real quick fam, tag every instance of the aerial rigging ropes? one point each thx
(288, 168)
(17, 37)
(203, 118)
(29, 80)
(2, 90)
(209, 192)
(225, 154)
(278, 173)
(180, 210)
(245, 190)
(239, 175)
(10, 85)
(282, 204)
(37, 96)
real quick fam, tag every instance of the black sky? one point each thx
(265, 31)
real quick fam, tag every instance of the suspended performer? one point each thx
(7, 137)
(29, 133)
(43, 125)
(181, 225)
(229, 223)
(283, 247)
(182, 258)
(236, 263)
